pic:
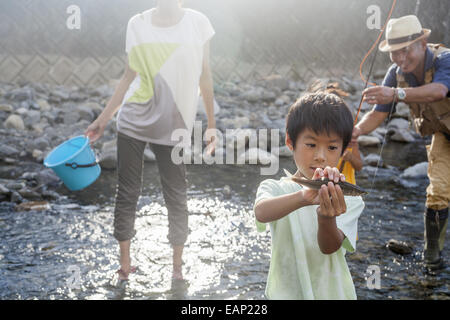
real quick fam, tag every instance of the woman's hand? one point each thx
(95, 130)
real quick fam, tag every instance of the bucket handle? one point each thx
(75, 165)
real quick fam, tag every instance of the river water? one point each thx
(68, 252)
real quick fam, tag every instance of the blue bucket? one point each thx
(74, 163)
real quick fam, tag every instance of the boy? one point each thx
(311, 229)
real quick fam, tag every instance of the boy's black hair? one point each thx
(321, 111)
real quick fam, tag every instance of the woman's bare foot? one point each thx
(124, 273)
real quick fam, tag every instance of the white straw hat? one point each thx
(402, 32)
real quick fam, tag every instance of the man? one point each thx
(419, 77)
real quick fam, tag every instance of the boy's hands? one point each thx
(332, 203)
(330, 198)
(311, 196)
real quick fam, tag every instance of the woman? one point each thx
(168, 60)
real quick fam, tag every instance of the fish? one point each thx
(348, 189)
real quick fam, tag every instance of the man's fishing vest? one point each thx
(429, 118)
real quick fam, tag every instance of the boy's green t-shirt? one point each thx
(298, 269)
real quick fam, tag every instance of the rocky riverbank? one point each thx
(35, 118)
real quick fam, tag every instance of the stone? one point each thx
(108, 158)
(402, 135)
(33, 105)
(284, 99)
(4, 190)
(21, 94)
(273, 113)
(397, 123)
(226, 192)
(277, 81)
(86, 113)
(227, 87)
(50, 195)
(10, 161)
(252, 95)
(22, 111)
(47, 177)
(44, 105)
(60, 94)
(6, 108)
(279, 102)
(258, 94)
(376, 135)
(78, 96)
(29, 194)
(297, 86)
(15, 185)
(399, 247)
(104, 91)
(373, 160)
(368, 141)
(41, 143)
(16, 197)
(110, 146)
(402, 110)
(32, 117)
(94, 106)
(14, 121)
(71, 117)
(39, 127)
(268, 96)
(33, 206)
(418, 170)
(37, 154)
(28, 176)
(381, 131)
(7, 151)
